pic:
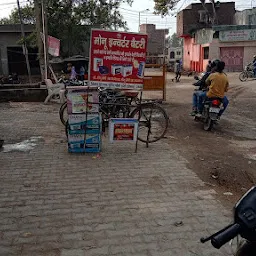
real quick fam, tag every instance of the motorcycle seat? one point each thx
(209, 100)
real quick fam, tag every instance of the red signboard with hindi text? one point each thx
(117, 59)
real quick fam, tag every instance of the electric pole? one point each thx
(115, 15)
(45, 40)
(38, 14)
(24, 46)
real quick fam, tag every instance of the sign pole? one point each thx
(136, 147)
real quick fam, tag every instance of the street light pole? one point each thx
(139, 23)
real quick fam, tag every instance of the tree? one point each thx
(27, 13)
(71, 20)
(164, 6)
(175, 41)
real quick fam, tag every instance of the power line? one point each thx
(12, 6)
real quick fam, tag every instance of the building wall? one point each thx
(9, 37)
(249, 49)
(156, 38)
(178, 53)
(245, 17)
(187, 44)
(189, 18)
(7, 40)
(193, 55)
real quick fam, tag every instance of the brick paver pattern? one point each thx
(122, 203)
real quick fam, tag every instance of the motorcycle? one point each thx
(210, 115)
(247, 73)
(11, 79)
(199, 76)
(244, 226)
(211, 108)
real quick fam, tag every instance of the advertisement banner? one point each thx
(238, 35)
(117, 59)
(53, 46)
(123, 129)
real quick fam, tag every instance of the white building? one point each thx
(174, 54)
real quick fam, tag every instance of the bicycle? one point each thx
(247, 73)
(153, 119)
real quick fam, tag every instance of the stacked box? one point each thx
(84, 130)
(77, 101)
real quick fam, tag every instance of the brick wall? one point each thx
(156, 38)
(188, 20)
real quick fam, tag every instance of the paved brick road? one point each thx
(53, 203)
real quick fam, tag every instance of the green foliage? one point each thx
(27, 13)
(164, 6)
(71, 20)
(175, 41)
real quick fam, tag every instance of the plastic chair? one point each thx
(54, 89)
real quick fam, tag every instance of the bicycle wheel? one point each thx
(153, 122)
(243, 76)
(63, 113)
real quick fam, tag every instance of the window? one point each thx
(172, 55)
(203, 16)
(206, 53)
(178, 53)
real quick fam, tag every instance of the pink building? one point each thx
(235, 45)
(194, 24)
(192, 56)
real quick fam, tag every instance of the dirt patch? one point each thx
(213, 156)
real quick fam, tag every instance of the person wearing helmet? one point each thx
(202, 87)
(217, 87)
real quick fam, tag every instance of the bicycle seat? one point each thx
(130, 94)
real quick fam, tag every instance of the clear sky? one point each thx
(131, 14)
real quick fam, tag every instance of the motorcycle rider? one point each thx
(209, 66)
(197, 93)
(202, 86)
(218, 86)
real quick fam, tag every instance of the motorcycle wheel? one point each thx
(243, 76)
(208, 124)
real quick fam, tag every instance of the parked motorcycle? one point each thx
(247, 73)
(11, 79)
(244, 225)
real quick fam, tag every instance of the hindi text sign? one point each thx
(117, 59)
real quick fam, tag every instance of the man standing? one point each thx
(177, 70)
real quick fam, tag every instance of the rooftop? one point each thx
(207, 4)
(14, 28)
